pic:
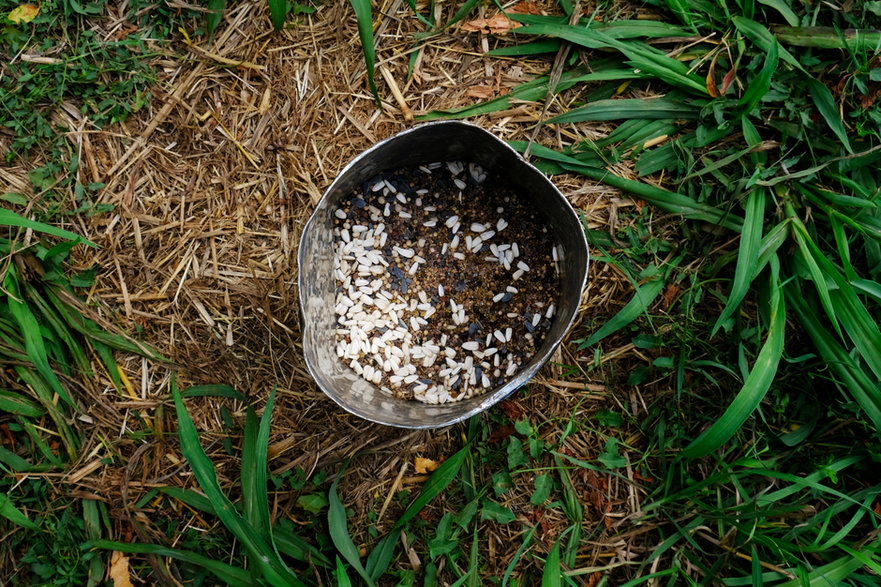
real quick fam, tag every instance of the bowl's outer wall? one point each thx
(436, 141)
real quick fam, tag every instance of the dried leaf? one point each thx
(670, 294)
(711, 80)
(424, 466)
(512, 409)
(726, 81)
(494, 25)
(500, 434)
(24, 13)
(482, 92)
(525, 8)
(119, 572)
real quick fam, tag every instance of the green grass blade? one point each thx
(341, 578)
(364, 14)
(92, 525)
(10, 218)
(259, 551)
(747, 255)
(641, 56)
(618, 29)
(254, 448)
(856, 40)
(627, 109)
(536, 48)
(818, 277)
(785, 11)
(532, 91)
(848, 310)
(757, 382)
(516, 559)
(214, 16)
(213, 390)
(759, 86)
(829, 574)
(191, 498)
(14, 515)
(381, 555)
(13, 403)
(763, 39)
(278, 11)
(288, 542)
(226, 573)
(666, 200)
(339, 532)
(436, 484)
(15, 462)
(853, 378)
(643, 297)
(867, 287)
(825, 103)
(553, 571)
(33, 338)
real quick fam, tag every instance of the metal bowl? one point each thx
(434, 141)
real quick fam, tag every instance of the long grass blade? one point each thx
(757, 382)
(747, 255)
(10, 218)
(666, 200)
(853, 378)
(825, 103)
(381, 555)
(13, 403)
(643, 297)
(278, 11)
(226, 573)
(213, 390)
(15, 515)
(288, 542)
(628, 109)
(33, 338)
(553, 571)
(641, 56)
(829, 574)
(260, 552)
(15, 462)
(255, 445)
(191, 498)
(849, 311)
(339, 532)
(364, 14)
(759, 85)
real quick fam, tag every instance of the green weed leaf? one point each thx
(496, 513)
(339, 532)
(543, 486)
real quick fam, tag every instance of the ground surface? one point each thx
(211, 186)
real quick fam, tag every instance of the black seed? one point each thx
(507, 297)
(358, 202)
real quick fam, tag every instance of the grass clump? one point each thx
(762, 123)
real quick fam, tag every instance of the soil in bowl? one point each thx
(447, 281)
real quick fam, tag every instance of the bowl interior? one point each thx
(440, 141)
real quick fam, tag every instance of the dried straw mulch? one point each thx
(211, 186)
